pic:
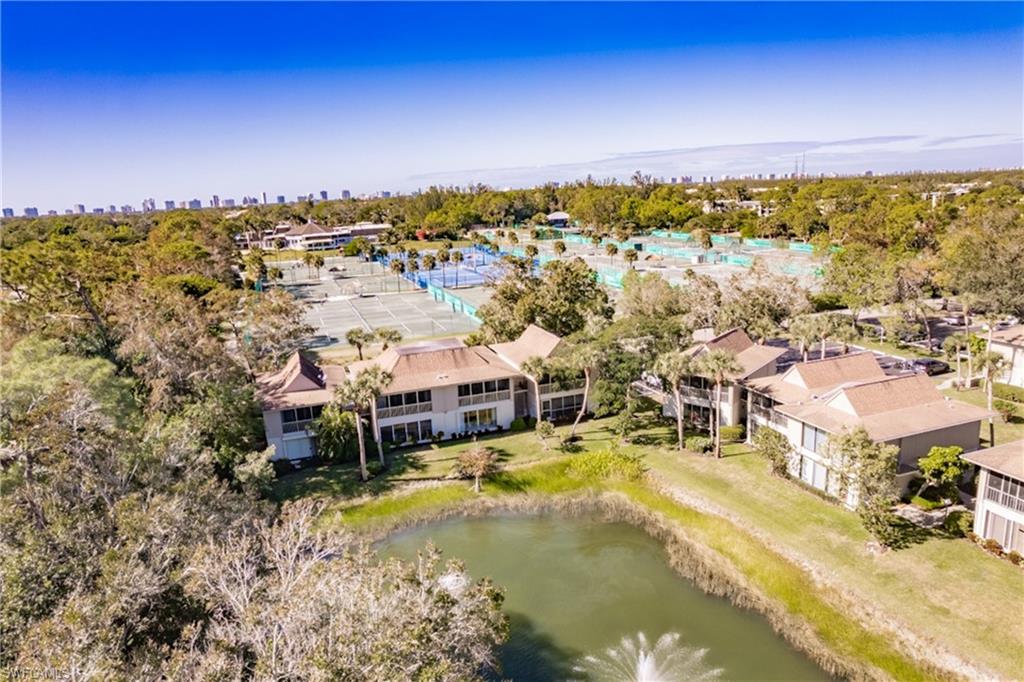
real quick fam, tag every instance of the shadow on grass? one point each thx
(342, 480)
(903, 534)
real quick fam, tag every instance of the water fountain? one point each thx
(634, 660)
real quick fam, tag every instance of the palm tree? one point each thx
(535, 368)
(356, 394)
(952, 347)
(718, 365)
(513, 238)
(333, 430)
(307, 260)
(457, 258)
(318, 262)
(443, 256)
(992, 365)
(531, 251)
(412, 266)
(429, 263)
(674, 366)
(412, 254)
(559, 248)
(375, 380)
(359, 337)
(398, 267)
(703, 238)
(844, 332)
(832, 326)
(388, 337)
(630, 256)
(611, 250)
(804, 330)
(582, 357)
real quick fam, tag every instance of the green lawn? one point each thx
(892, 349)
(943, 590)
(1005, 431)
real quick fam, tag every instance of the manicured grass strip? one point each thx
(390, 508)
(783, 581)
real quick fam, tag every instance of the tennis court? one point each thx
(413, 312)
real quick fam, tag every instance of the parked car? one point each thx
(954, 320)
(929, 366)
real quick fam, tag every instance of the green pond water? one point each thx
(576, 587)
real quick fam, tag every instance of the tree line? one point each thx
(136, 538)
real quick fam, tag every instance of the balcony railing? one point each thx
(480, 398)
(404, 410)
(557, 386)
(694, 392)
(1004, 499)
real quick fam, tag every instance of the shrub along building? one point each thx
(999, 510)
(438, 389)
(812, 401)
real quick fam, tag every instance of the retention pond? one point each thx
(594, 600)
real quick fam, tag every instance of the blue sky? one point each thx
(111, 103)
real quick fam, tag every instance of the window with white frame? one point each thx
(410, 432)
(474, 420)
(562, 407)
(402, 399)
(299, 418)
(1005, 491)
(484, 392)
(482, 387)
(814, 439)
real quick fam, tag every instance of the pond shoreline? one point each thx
(693, 560)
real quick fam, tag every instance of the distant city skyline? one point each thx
(769, 161)
(195, 99)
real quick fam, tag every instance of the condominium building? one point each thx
(755, 360)
(999, 508)
(813, 401)
(437, 389)
(1010, 344)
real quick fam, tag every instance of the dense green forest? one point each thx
(131, 454)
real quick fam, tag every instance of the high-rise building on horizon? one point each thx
(68, 211)
(229, 203)
(323, 195)
(168, 204)
(97, 211)
(8, 212)
(280, 198)
(264, 196)
(195, 204)
(113, 209)
(31, 212)
(148, 205)
(215, 201)
(51, 212)
(79, 209)
(346, 194)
